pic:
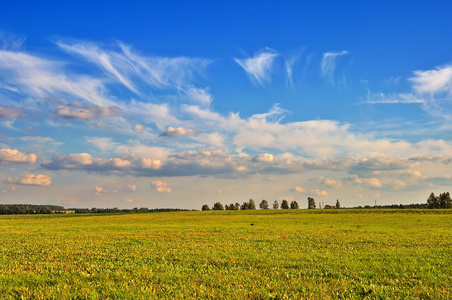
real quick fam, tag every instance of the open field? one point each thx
(291, 254)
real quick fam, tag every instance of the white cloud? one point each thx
(131, 188)
(160, 186)
(179, 131)
(41, 78)
(264, 157)
(373, 182)
(98, 190)
(130, 68)
(299, 189)
(405, 98)
(211, 139)
(330, 182)
(399, 184)
(258, 68)
(30, 179)
(433, 81)
(128, 200)
(319, 192)
(199, 95)
(328, 66)
(138, 128)
(86, 112)
(10, 156)
(103, 143)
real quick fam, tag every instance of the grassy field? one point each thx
(299, 254)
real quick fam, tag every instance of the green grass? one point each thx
(348, 254)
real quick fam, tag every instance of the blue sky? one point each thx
(178, 104)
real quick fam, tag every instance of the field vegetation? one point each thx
(249, 254)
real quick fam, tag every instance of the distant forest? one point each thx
(442, 201)
(31, 209)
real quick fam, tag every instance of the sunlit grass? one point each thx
(228, 255)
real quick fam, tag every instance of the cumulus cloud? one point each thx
(399, 184)
(330, 182)
(264, 157)
(138, 128)
(86, 112)
(369, 182)
(258, 68)
(299, 189)
(179, 131)
(131, 188)
(98, 190)
(328, 66)
(10, 156)
(30, 179)
(84, 161)
(319, 192)
(160, 186)
(103, 143)
(7, 112)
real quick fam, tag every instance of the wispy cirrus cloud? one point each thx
(39, 77)
(289, 64)
(81, 112)
(7, 112)
(133, 70)
(258, 67)
(404, 98)
(430, 88)
(328, 65)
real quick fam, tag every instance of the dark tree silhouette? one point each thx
(275, 204)
(263, 204)
(218, 206)
(294, 205)
(311, 203)
(284, 204)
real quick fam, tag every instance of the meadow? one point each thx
(272, 254)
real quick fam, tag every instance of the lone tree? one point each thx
(205, 207)
(311, 203)
(218, 206)
(338, 205)
(263, 204)
(275, 204)
(284, 204)
(294, 205)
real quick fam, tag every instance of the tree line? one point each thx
(263, 205)
(95, 210)
(21, 209)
